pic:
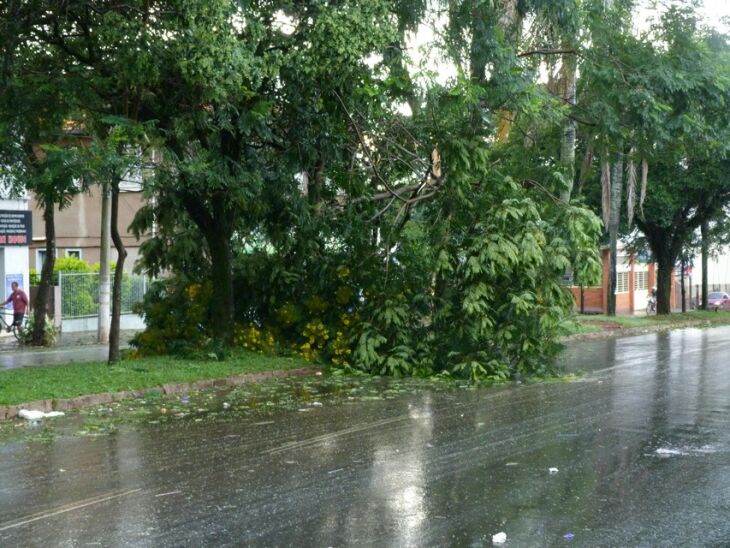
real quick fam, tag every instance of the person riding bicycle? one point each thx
(20, 305)
(651, 304)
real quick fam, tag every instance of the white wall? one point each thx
(718, 269)
(77, 325)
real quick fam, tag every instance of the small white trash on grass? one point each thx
(499, 538)
(553, 470)
(32, 415)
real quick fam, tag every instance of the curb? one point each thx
(11, 411)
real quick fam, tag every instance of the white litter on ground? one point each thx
(32, 415)
(553, 470)
(499, 538)
(686, 451)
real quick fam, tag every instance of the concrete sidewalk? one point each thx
(72, 347)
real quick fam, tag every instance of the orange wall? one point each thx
(596, 298)
(593, 298)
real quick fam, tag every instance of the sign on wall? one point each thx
(15, 227)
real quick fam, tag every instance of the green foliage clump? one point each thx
(50, 333)
(327, 222)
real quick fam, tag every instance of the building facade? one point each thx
(78, 228)
(634, 282)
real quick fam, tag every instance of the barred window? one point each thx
(641, 280)
(622, 282)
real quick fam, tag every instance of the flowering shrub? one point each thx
(341, 350)
(253, 338)
(315, 336)
(176, 313)
(288, 315)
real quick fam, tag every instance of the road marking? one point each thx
(66, 508)
(168, 494)
(300, 444)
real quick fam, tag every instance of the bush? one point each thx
(50, 333)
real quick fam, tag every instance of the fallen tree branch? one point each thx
(365, 148)
(547, 51)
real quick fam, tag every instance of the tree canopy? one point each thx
(315, 190)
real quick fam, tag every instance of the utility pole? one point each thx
(102, 334)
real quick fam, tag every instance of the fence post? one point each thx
(60, 300)
(57, 321)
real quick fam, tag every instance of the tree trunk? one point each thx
(221, 258)
(585, 170)
(216, 226)
(684, 296)
(102, 333)
(118, 276)
(567, 144)
(665, 263)
(40, 306)
(613, 224)
(704, 231)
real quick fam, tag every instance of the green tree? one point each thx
(658, 100)
(41, 154)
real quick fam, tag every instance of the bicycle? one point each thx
(17, 330)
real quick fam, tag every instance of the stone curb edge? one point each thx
(11, 411)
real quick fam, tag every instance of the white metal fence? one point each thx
(80, 293)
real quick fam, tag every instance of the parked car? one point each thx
(717, 300)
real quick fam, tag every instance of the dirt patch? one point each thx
(621, 331)
(604, 324)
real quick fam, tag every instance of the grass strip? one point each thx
(79, 379)
(693, 316)
(596, 323)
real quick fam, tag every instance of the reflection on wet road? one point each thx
(641, 444)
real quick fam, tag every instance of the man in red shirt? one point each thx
(20, 304)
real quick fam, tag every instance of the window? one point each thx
(641, 280)
(622, 282)
(73, 253)
(40, 257)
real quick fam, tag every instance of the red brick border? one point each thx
(11, 411)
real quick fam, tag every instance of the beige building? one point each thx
(78, 227)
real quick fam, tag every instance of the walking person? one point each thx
(20, 305)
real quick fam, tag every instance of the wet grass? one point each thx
(575, 326)
(694, 317)
(78, 379)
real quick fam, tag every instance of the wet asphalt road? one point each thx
(69, 348)
(54, 356)
(641, 444)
